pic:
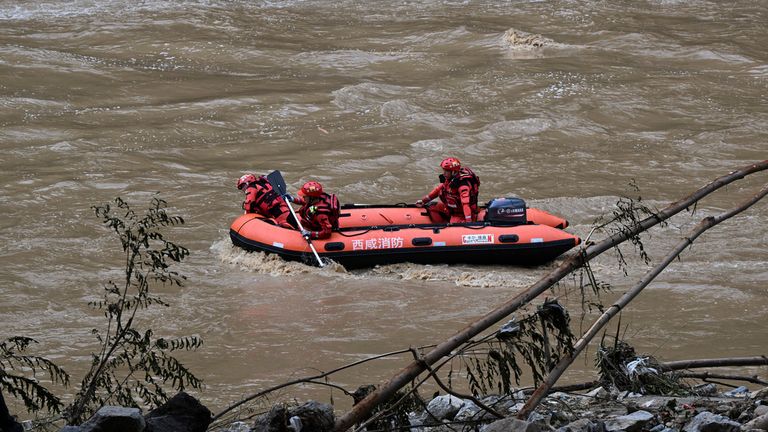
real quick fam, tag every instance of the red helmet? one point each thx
(451, 164)
(311, 189)
(245, 180)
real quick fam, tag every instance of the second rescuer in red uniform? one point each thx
(458, 194)
(319, 211)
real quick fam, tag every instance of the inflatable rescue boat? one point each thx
(506, 233)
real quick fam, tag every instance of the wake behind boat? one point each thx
(506, 233)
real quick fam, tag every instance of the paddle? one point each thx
(278, 183)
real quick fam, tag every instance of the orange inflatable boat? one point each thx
(368, 235)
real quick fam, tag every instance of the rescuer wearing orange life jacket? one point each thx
(457, 192)
(261, 198)
(319, 211)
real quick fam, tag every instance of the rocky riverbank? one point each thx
(599, 410)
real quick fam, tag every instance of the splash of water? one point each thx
(460, 275)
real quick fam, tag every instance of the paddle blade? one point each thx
(278, 183)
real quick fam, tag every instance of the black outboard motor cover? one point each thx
(506, 212)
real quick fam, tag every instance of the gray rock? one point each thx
(708, 389)
(182, 413)
(599, 393)
(238, 427)
(115, 419)
(629, 395)
(759, 394)
(469, 411)
(760, 422)
(511, 424)
(564, 399)
(422, 418)
(562, 417)
(514, 409)
(653, 404)
(520, 396)
(416, 420)
(490, 399)
(473, 413)
(70, 429)
(541, 420)
(583, 425)
(634, 422)
(709, 422)
(502, 404)
(445, 407)
(761, 410)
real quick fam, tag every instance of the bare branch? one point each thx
(704, 376)
(310, 379)
(721, 362)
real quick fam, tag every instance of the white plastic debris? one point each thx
(295, 422)
(639, 367)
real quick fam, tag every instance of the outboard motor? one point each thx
(506, 212)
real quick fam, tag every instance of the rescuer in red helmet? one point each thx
(319, 211)
(261, 198)
(458, 193)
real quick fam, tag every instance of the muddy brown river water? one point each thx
(563, 103)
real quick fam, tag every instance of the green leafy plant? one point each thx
(538, 342)
(623, 219)
(25, 386)
(132, 364)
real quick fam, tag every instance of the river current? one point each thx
(567, 104)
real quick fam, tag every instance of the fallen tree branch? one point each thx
(568, 388)
(410, 372)
(622, 302)
(719, 362)
(704, 376)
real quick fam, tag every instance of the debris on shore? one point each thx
(599, 410)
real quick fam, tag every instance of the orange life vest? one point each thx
(261, 198)
(449, 194)
(328, 204)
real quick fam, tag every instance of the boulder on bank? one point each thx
(182, 413)
(115, 419)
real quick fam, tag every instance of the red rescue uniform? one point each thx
(458, 198)
(261, 198)
(319, 215)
